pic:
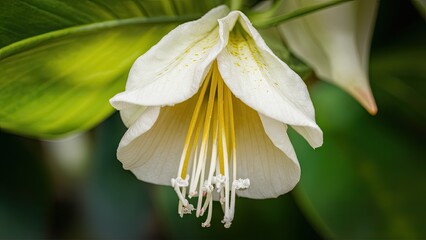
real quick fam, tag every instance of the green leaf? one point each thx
(260, 21)
(421, 6)
(63, 61)
(44, 16)
(63, 85)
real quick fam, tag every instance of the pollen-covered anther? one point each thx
(241, 184)
(219, 181)
(205, 225)
(226, 222)
(179, 182)
(192, 194)
(187, 208)
(207, 187)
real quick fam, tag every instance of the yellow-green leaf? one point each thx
(61, 61)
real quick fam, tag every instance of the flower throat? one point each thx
(210, 148)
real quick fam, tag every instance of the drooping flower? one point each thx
(335, 42)
(207, 111)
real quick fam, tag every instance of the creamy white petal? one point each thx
(131, 114)
(330, 41)
(300, 37)
(366, 15)
(270, 170)
(126, 148)
(172, 70)
(152, 146)
(277, 132)
(262, 81)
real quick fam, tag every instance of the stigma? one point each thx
(209, 154)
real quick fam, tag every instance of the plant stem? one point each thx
(273, 21)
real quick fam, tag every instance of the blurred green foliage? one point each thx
(366, 182)
(367, 179)
(26, 196)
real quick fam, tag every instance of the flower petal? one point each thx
(131, 114)
(152, 146)
(262, 81)
(300, 37)
(277, 132)
(330, 41)
(366, 15)
(172, 70)
(271, 171)
(126, 148)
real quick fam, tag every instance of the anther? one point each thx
(187, 208)
(207, 187)
(179, 182)
(226, 222)
(241, 184)
(205, 224)
(219, 181)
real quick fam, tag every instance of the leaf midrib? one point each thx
(30, 42)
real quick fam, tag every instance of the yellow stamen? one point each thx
(186, 153)
(221, 122)
(211, 133)
(232, 132)
(208, 118)
(193, 143)
(214, 153)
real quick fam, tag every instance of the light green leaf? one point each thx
(265, 20)
(63, 85)
(62, 62)
(27, 18)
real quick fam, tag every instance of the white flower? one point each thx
(207, 110)
(335, 42)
